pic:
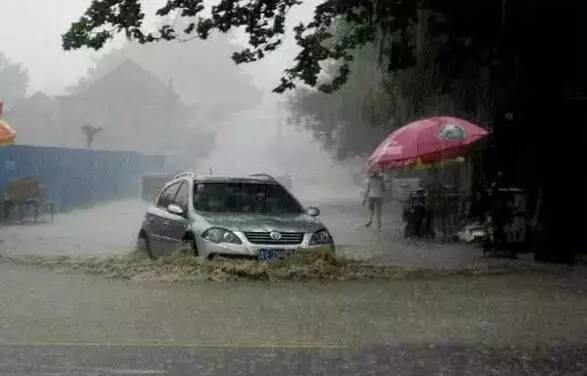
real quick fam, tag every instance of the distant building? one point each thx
(137, 111)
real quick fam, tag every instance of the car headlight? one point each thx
(321, 237)
(220, 235)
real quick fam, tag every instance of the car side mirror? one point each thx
(175, 209)
(313, 211)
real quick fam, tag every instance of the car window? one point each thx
(167, 196)
(244, 198)
(182, 196)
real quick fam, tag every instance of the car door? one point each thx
(174, 225)
(157, 217)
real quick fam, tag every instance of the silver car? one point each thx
(252, 217)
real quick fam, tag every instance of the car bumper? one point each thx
(248, 249)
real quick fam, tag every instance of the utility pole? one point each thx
(280, 129)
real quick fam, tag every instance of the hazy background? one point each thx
(31, 34)
(232, 120)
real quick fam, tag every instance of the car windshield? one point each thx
(239, 197)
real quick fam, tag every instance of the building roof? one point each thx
(128, 78)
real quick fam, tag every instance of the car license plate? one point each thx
(271, 254)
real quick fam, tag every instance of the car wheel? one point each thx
(191, 242)
(143, 245)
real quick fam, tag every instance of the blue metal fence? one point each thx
(75, 177)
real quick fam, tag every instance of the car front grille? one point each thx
(287, 238)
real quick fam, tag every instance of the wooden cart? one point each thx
(26, 195)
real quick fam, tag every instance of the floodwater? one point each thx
(70, 323)
(104, 229)
(164, 317)
(110, 229)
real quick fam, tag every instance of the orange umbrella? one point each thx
(7, 134)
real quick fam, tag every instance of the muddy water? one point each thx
(301, 266)
(110, 229)
(105, 229)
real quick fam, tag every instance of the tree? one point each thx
(468, 26)
(264, 23)
(470, 30)
(13, 81)
(352, 120)
(376, 100)
(91, 132)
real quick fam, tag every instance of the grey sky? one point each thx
(30, 33)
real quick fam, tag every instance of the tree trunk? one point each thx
(565, 202)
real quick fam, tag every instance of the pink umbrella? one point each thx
(425, 142)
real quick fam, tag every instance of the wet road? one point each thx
(74, 324)
(232, 361)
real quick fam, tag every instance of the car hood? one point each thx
(264, 223)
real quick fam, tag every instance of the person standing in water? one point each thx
(374, 196)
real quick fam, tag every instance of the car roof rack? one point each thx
(185, 174)
(264, 176)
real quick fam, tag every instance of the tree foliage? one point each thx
(377, 99)
(353, 119)
(91, 132)
(469, 25)
(13, 80)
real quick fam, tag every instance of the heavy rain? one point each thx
(310, 187)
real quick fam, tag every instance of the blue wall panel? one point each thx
(74, 177)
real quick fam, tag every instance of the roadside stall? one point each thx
(430, 144)
(505, 221)
(28, 197)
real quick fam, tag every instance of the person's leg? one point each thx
(417, 222)
(378, 206)
(371, 212)
(420, 222)
(411, 225)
